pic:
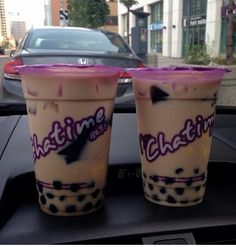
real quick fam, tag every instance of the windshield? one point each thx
(148, 42)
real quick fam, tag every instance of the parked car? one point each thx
(70, 45)
(2, 51)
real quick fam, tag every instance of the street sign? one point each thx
(63, 14)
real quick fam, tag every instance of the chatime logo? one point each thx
(71, 136)
(155, 146)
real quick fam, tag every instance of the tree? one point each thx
(230, 39)
(88, 13)
(128, 4)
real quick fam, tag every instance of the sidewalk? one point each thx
(227, 94)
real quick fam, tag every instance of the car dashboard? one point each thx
(126, 217)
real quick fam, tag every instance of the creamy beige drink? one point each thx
(70, 114)
(175, 110)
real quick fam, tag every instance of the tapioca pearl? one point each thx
(95, 193)
(39, 187)
(80, 198)
(144, 175)
(150, 186)
(98, 204)
(171, 199)
(189, 182)
(144, 184)
(162, 190)
(197, 200)
(196, 170)
(53, 209)
(87, 207)
(57, 185)
(204, 185)
(179, 170)
(91, 184)
(62, 198)
(43, 200)
(198, 188)
(71, 209)
(203, 176)
(154, 178)
(179, 191)
(215, 94)
(213, 104)
(50, 195)
(184, 202)
(74, 187)
(169, 180)
(155, 197)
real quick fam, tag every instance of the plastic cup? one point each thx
(70, 111)
(175, 115)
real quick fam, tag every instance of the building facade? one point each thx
(174, 25)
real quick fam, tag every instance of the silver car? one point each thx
(70, 45)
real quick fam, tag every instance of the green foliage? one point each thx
(87, 13)
(128, 3)
(222, 60)
(198, 54)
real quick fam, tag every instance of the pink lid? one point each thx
(180, 75)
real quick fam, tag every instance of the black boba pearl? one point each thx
(53, 209)
(197, 200)
(215, 94)
(57, 185)
(155, 197)
(150, 186)
(196, 171)
(98, 204)
(179, 170)
(171, 199)
(91, 185)
(81, 198)
(144, 184)
(95, 193)
(184, 202)
(169, 180)
(87, 207)
(198, 188)
(154, 178)
(213, 103)
(144, 175)
(163, 190)
(62, 198)
(179, 191)
(203, 176)
(189, 182)
(74, 187)
(71, 209)
(50, 196)
(40, 187)
(43, 199)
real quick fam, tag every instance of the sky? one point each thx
(30, 11)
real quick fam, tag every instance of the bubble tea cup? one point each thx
(175, 115)
(70, 111)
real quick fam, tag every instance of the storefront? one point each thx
(194, 24)
(156, 27)
(224, 16)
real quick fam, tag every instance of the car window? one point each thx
(75, 40)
